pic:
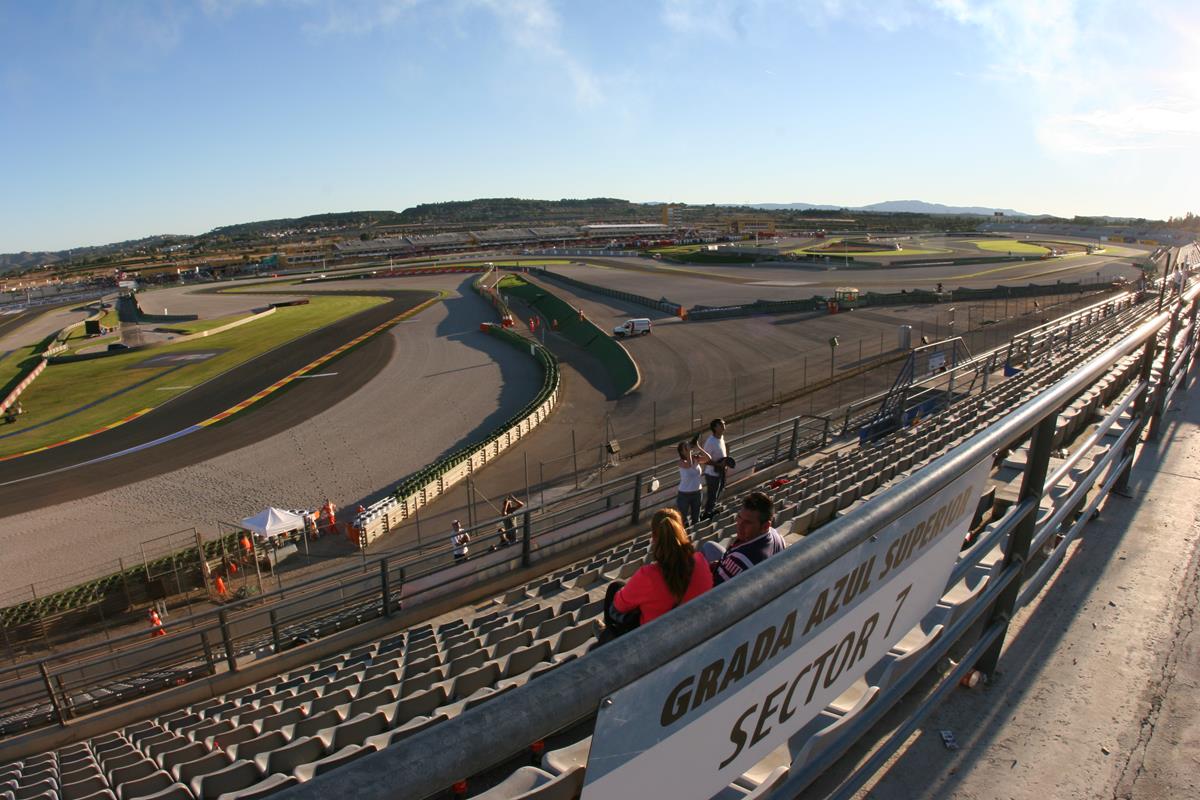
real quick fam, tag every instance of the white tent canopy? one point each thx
(273, 521)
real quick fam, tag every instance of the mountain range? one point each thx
(894, 207)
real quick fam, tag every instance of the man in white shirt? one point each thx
(714, 471)
(460, 539)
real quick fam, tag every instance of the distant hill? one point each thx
(896, 207)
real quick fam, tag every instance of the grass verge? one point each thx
(1010, 246)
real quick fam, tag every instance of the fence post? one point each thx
(1121, 487)
(385, 586)
(227, 641)
(637, 499)
(526, 535)
(55, 700)
(208, 656)
(275, 630)
(794, 447)
(1017, 549)
(1164, 382)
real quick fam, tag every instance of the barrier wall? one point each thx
(430, 483)
(629, 297)
(582, 332)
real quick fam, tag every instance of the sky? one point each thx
(127, 118)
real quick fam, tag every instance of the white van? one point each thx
(633, 327)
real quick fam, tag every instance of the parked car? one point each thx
(633, 327)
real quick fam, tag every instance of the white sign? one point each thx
(690, 727)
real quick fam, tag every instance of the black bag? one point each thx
(617, 623)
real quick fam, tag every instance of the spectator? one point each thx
(511, 506)
(714, 471)
(691, 461)
(677, 573)
(460, 539)
(755, 541)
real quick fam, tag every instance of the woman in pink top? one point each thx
(678, 573)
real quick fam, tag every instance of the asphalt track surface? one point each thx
(48, 477)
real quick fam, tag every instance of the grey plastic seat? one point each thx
(103, 794)
(572, 604)
(422, 682)
(345, 755)
(280, 721)
(526, 658)
(556, 762)
(531, 621)
(531, 782)
(247, 750)
(470, 682)
(131, 772)
(172, 743)
(227, 739)
(238, 775)
(554, 625)
(253, 715)
(80, 771)
(511, 643)
(463, 648)
(82, 788)
(264, 788)
(415, 705)
(382, 668)
(216, 760)
(501, 632)
(205, 732)
(151, 784)
(311, 725)
(176, 791)
(572, 638)
(191, 752)
(287, 758)
(383, 680)
(414, 725)
(354, 731)
(371, 702)
(341, 697)
(473, 661)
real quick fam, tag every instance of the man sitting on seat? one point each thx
(755, 541)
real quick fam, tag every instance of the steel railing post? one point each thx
(1037, 465)
(208, 654)
(637, 500)
(1164, 381)
(526, 538)
(227, 641)
(385, 587)
(1137, 414)
(55, 700)
(794, 447)
(275, 631)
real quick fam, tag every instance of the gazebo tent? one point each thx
(273, 521)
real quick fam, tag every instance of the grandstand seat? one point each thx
(461, 665)
(311, 725)
(524, 659)
(415, 705)
(501, 632)
(381, 668)
(535, 617)
(76, 774)
(271, 740)
(131, 772)
(191, 752)
(414, 725)
(506, 646)
(368, 703)
(151, 784)
(339, 698)
(531, 782)
(226, 739)
(264, 788)
(82, 788)
(573, 756)
(280, 721)
(422, 682)
(472, 681)
(587, 579)
(423, 665)
(463, 648)
(253, 715)
(344, 755)
(554, 625)
(238, 775)
(285, 759)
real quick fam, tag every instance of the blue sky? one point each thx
(125, 118)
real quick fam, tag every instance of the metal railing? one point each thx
(431, 760)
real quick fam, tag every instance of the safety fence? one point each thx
(430, 483)
(906, 297)
(654, 693)
(75, 681)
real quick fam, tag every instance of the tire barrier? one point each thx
(629, 297)
(426, 485)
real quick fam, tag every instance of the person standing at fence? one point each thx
(687, 501)
(755, 541)
(714, 471)
(508, 534)
(460, 539)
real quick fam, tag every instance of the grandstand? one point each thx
(498, 654)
